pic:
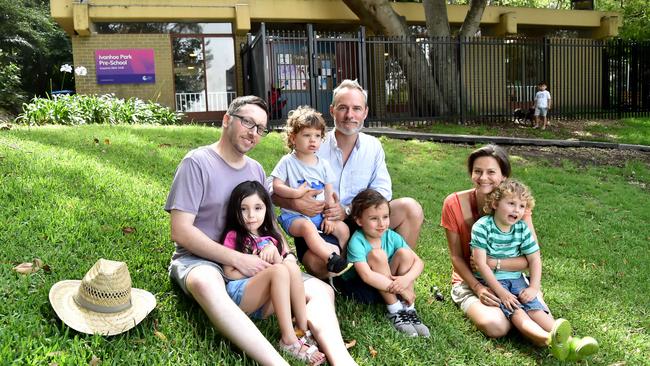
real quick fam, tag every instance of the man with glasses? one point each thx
(196, 203)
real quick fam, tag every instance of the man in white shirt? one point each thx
(358, 163)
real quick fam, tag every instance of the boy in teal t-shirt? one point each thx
(383, 260)
(502, 234)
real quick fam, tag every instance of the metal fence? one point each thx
(425, 79)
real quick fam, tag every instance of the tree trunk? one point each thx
(379, 16)
(434, 82)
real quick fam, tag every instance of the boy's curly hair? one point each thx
(509, 188)
(303, 117)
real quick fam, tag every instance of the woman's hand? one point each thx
(487, 296)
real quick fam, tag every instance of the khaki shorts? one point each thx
(463, 296)
(179, 268)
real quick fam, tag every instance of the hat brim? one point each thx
(91, 322)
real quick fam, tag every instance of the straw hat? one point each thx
(103, 302)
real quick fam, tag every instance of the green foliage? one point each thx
(11, 96)
(36, 42)
(636, 17)
(66, 200)
(91, 109)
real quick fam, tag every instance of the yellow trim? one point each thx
(242, 13)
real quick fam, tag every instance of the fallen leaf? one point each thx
(164, 145)
(155, 324)
(95, 361)
(619, 363)
(5, 126)
(351, 344)
(54, 354)
(625, 261)
(160, 336)
(96, 140)
(373, 352)
(53, 364)
(299, 332)
(38, 263)
(46, 268)
(128, 230)
(26, 268)
(107, 141)
(139, 341)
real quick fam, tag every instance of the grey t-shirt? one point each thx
(294, 173)
(202, 186)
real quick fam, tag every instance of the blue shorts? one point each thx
(541, 111)
(235, 289)
(286, 219)
(515, 287)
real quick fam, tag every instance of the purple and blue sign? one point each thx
(127, 66)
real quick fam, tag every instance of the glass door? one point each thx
(189, 74)
(220, 72)
(204, 75)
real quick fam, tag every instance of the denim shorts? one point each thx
(286, 219)
(235, 289)
(541, 112)
(515, 287)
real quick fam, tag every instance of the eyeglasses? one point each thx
(260, 129)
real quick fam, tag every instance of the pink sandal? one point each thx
(309, 355)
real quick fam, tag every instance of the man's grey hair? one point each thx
(349, 84)
(239, 102)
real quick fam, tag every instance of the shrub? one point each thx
(91, 109)
(11, 96)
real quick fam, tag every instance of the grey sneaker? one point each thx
(423, 330)
(400, 321)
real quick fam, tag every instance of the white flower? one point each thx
(66, 68)
(81, 71)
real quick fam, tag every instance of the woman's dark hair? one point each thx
(364, 200)
(235, 221)
(494, 151)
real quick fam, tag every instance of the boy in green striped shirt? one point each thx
(502, 234)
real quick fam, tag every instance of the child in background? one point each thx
(250, 229)
(300, 171)
(502, 234)
(542, 104)
(383, 260)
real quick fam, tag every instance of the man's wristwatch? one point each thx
(497, 267)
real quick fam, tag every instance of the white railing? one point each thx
(518, 93)
(195, 102)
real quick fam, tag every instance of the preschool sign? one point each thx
(125, 66)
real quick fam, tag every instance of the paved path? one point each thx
(475, 139)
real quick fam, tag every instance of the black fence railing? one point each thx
(418, 80)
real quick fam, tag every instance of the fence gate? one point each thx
(420, 79)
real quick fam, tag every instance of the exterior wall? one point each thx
(243, 13)
(162, 91)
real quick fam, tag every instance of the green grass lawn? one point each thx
(67, 199)
(626, 131)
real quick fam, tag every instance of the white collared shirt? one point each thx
(365, 168)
